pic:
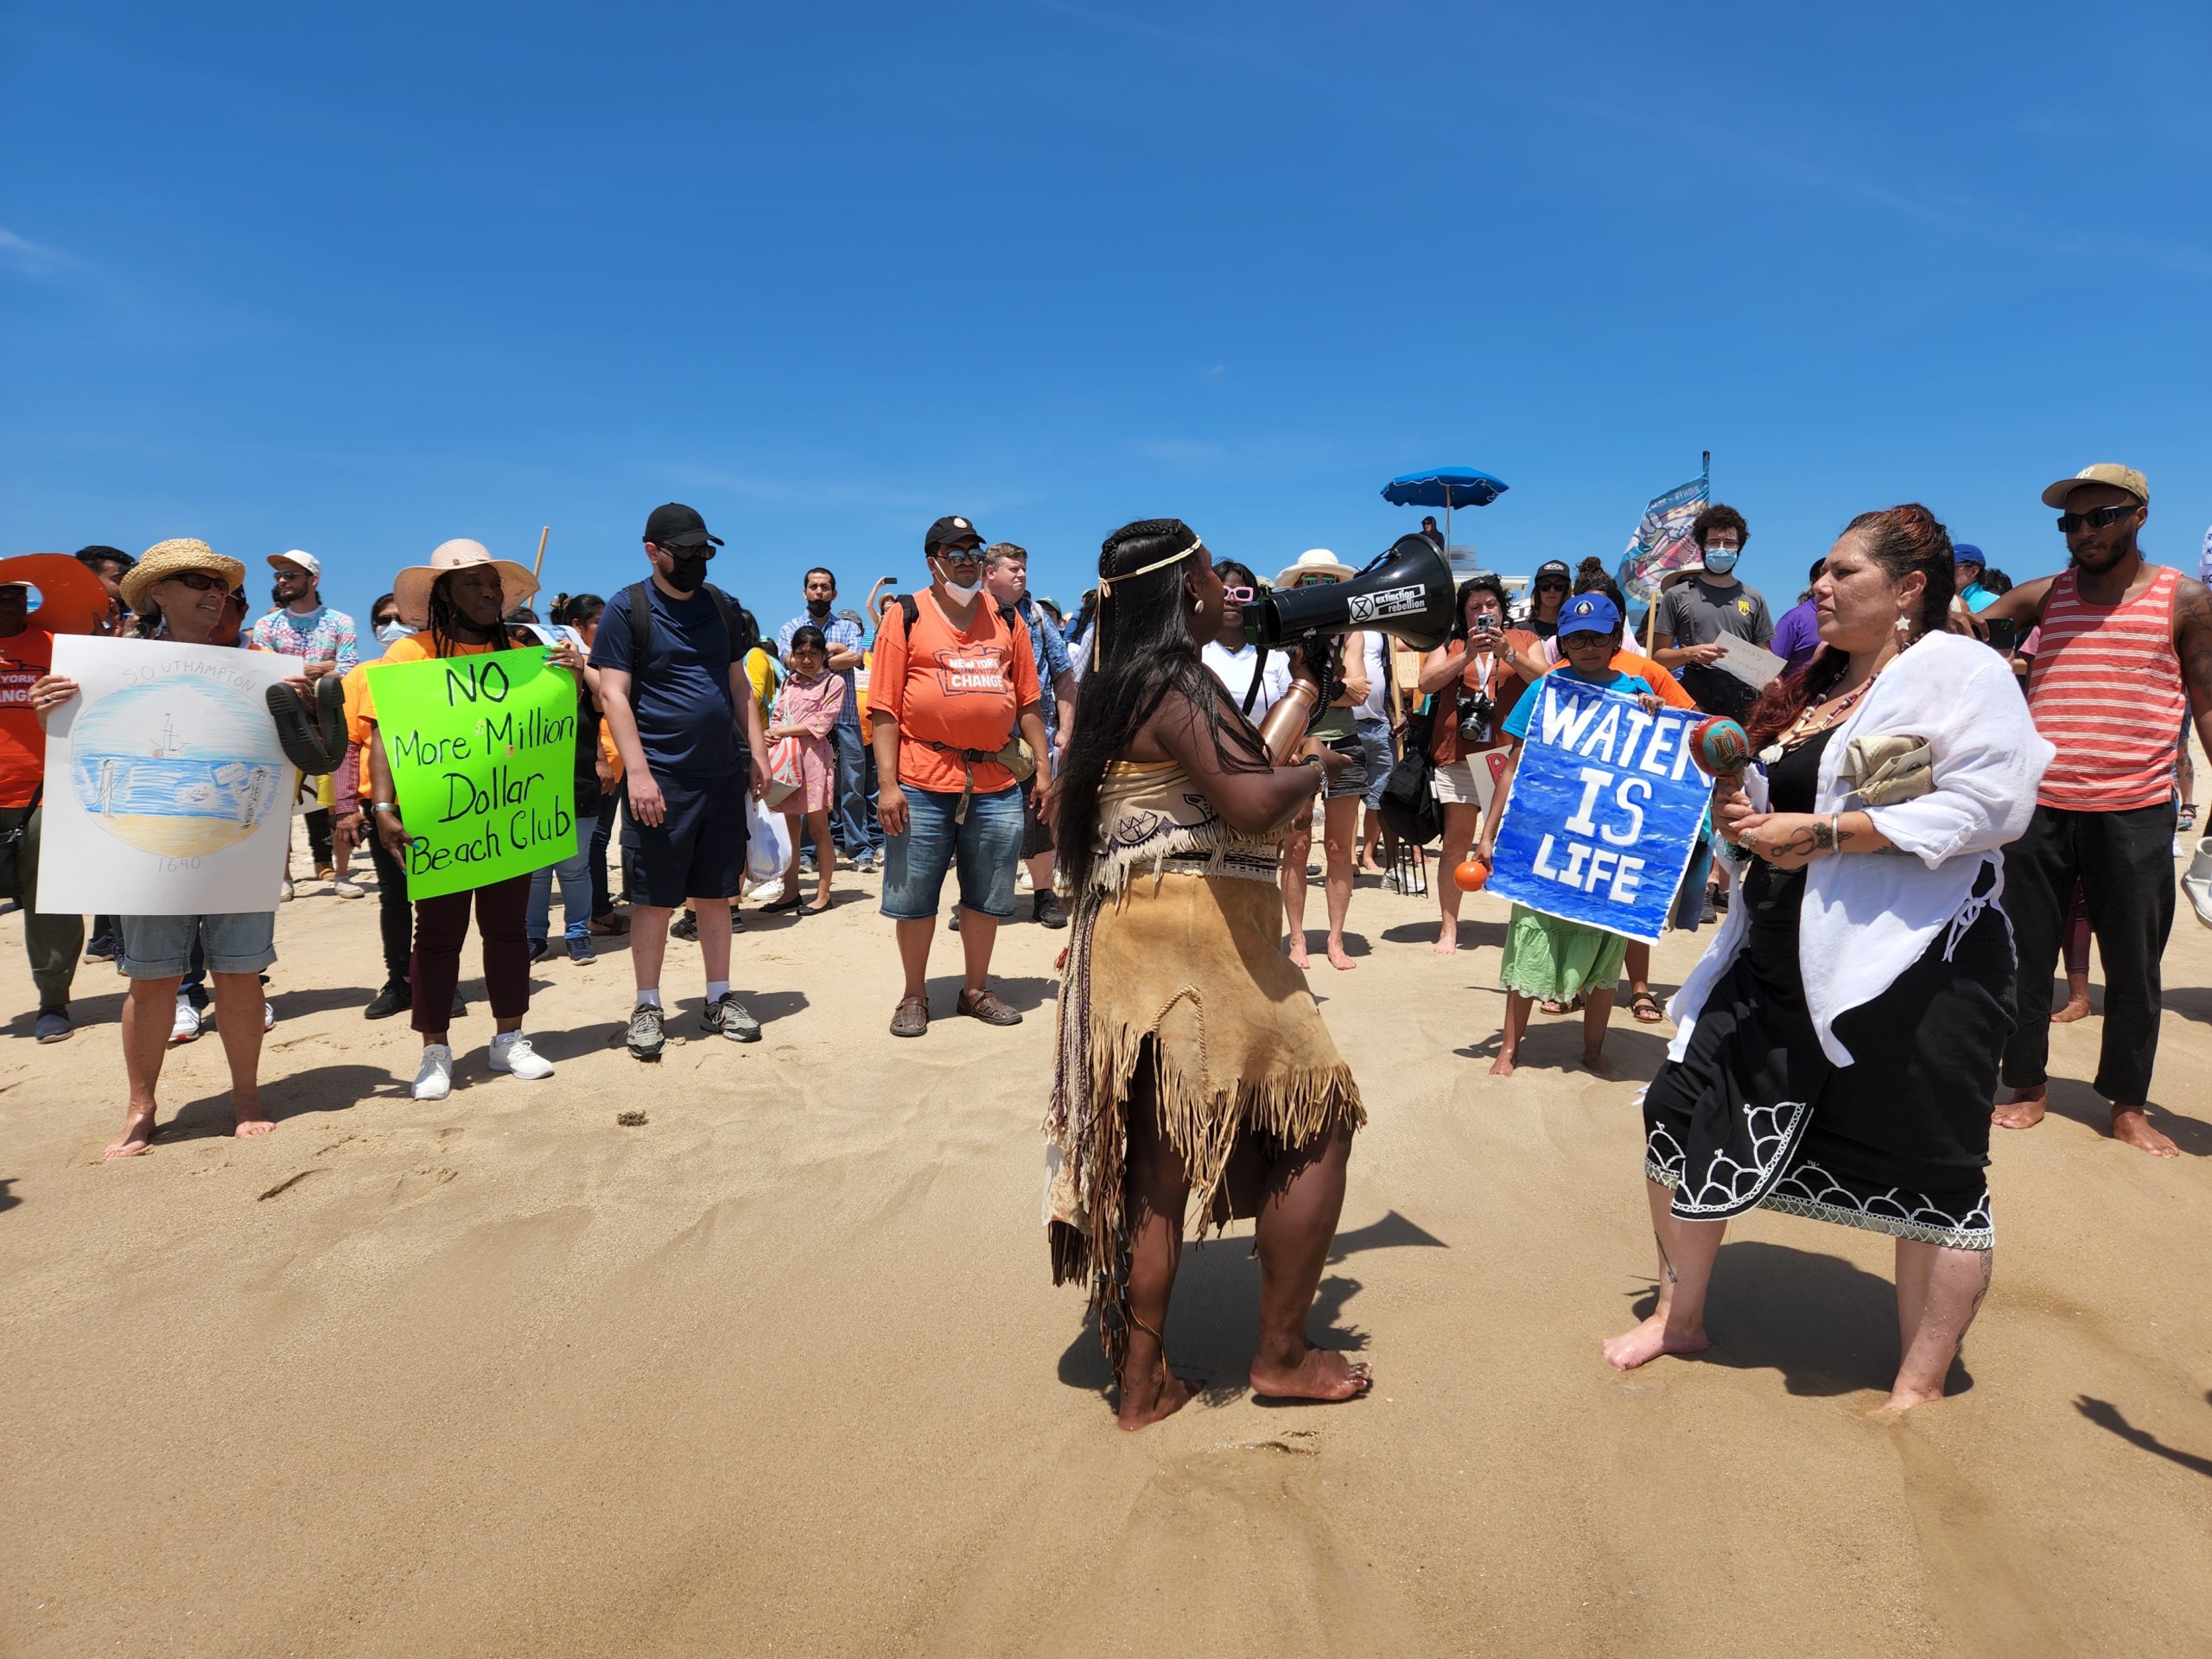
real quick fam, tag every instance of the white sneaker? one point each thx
(435, 1080)
(268, 1014)
(511, 1051)
(187, 1020)
(347, 889)
(284, 893)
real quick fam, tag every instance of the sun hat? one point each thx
(306, 562)
(1314, 562)
(2105, 472)
(173, 558)
(410, 588)
(1682, 574)
(1588, 614)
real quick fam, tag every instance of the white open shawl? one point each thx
(1868, 917)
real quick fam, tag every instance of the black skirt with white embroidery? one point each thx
(1754, 1115)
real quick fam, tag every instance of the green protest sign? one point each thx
(483, 756)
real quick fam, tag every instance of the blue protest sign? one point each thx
(1604, 812)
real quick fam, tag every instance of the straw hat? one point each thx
(166, 559)
(410, 588)
(1314, 562)
(1676, 578)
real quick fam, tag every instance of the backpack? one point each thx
(1408, 804)
(1014, 754)
(741, 639)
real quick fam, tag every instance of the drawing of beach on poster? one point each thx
(167, 794)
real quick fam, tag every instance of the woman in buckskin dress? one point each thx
(1837, 1043)
(1191, 1059)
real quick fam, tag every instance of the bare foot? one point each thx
(2024, 1111)
(1339, 958)
(137, 1136)
(1595, 1064)
(1146, 1402)
(2077, 1008)
(251, 1123)
(1502, 1066)
(1649, 1340)
(1902, 1400)
(2130, 1125)
(1447, 943)
(1298, 957)
(1322, 1374)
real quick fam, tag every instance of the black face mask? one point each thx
(818, 607)
(689, 570)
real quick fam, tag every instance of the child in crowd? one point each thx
(1546, 958)
(806, 711)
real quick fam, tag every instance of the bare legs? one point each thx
(825, 857)
(1460, 819)
(148, 1013)
(1597, 1012)
(978, 933)
(1939, 1291)
(1508, 1045)
(1297, 848)
(1339, 828)
(1297, 1220)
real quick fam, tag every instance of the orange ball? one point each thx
(1471, 875)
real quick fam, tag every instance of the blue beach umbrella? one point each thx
(1447, 488)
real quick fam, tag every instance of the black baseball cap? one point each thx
(949, 530)
(678, 526)
(1552, 567)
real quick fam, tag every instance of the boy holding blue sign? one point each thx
(1546, 957)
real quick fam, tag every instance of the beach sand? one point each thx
(782, 1370)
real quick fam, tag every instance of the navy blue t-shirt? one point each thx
(681, 695)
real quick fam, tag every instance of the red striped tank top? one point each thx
(2106, 690)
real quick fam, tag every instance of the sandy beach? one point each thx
(782, 1370)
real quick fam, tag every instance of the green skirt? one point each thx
(1554, 961)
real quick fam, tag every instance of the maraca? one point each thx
(1719, 747)
(1471, 875)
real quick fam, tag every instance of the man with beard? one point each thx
(671, 655)
(2126, 654)
(857, 833)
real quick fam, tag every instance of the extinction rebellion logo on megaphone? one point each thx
(1391, 602)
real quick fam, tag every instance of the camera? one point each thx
(1476, 709)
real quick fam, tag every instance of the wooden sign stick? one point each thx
(540, 563)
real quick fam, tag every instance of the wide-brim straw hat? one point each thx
(410, 588)
(1314, 562)
(1676, 578)
(173, 558)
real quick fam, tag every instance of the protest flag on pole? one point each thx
(1662, 542)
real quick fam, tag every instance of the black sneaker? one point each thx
(685, 926)
(646, 1035)
(727, 1014)
(104, 947)
(460, 1008)
(537, 950)
(954, 924)
(1707, 912)
(1048, 910)
(397, 997)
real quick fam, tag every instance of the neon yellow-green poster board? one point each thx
(483, 755)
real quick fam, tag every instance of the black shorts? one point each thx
(1036, 834)
(697, 849)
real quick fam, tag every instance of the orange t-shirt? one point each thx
(356, 687)
(964, 688)
(24, 658)
(1661, 680)
(414, 648)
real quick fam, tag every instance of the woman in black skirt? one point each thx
(1839, 1041)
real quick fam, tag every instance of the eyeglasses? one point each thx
(1239, 595)
(2095, 518)
(1317, 582)
(201, 582)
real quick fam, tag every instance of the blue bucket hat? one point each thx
(1589, 613)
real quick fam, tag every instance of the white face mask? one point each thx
(390, 633)
(965, 595)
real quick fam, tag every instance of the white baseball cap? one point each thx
(306, 562)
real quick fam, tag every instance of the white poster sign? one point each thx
(1754, 665)
(167, 794)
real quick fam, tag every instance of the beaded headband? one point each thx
(1106, 583)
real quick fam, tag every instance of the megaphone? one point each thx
(1405, 593)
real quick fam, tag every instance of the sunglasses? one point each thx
(1556, 584)
(201, 583)
(1239, 595)
(1318, 581)
(2095, 518)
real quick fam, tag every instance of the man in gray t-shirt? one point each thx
(1696, 612)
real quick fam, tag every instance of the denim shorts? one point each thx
(160, 947)
(1375, 749)
(1352, 780)
(986, 849)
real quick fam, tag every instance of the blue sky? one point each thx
(360, 279)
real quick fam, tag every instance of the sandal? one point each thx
(1645, 1006)
(985, 1006)
(609, 924)
(913, 1018)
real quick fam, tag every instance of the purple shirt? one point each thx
(1795, 637)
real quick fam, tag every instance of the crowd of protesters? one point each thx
(922, 738)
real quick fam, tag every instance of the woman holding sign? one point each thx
(1548, 958)
(1839, 1039)
(456, 601)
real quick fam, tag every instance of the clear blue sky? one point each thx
(360, 279)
